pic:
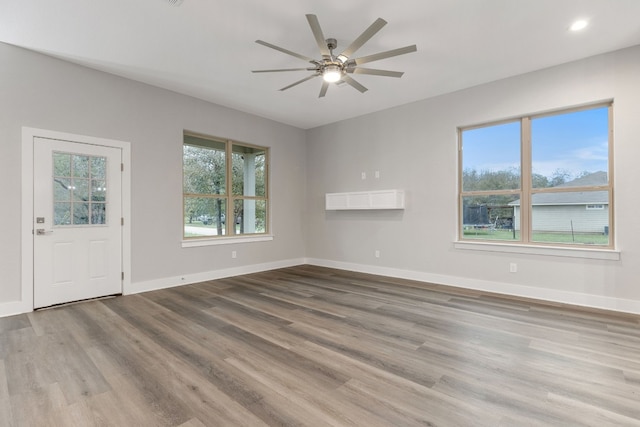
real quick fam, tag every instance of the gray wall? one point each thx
(414, 147)
(42, 92)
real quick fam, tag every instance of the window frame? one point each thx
(230, 235)
(527, 191)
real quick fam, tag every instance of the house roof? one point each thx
(592, 179)
(574, 198)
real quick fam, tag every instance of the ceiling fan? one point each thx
(336, 68)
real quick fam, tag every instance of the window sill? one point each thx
(193, 243)
(556, 251)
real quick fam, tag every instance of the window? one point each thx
(542, 179)
(79, 189)
(224, 188)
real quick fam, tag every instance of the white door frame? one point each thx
(28, 135)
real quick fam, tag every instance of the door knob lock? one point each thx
(42, 231)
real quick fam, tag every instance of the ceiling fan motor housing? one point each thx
(332, 44)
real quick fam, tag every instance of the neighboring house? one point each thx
(580, 211)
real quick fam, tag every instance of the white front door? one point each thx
(77, 211)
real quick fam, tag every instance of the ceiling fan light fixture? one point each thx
(332, 73)
(337, 69)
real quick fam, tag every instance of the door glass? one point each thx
(98, 167)
(80, 165)
(62, 213)
(79, 189)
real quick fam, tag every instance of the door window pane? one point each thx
(98, 213)
(80, 213)
(61, 164)
(98, 190)
(98, 167)
(62, 213)
(80, 190)
(80, 166)
(61, 189)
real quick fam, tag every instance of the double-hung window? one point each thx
(225, 191)
(541, 180)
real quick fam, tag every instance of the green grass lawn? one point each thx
(508, 235)
(199, 224)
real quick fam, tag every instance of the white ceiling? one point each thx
(206, 49)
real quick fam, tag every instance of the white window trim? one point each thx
(555, 251)
(228, 240)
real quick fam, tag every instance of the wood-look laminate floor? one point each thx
(318, 347)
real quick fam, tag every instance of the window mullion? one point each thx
(526, 185)
(231, 229)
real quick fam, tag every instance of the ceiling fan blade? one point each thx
(300, 81)
(283, 69)
(288, 52)
(364, 37)
(323, 89)
(317, 33)
(384, 55)
(375, 72)
(354, 83)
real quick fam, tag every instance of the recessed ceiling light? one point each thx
(578, 25)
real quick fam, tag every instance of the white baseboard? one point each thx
(14, 307)
(169, 282)
(551, 295)
(19, 307)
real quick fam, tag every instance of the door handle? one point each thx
(42, 231)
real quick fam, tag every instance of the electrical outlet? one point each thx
(377, 174)
(364, 175)
(377, 253)
(513, 267)
(234, 254)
